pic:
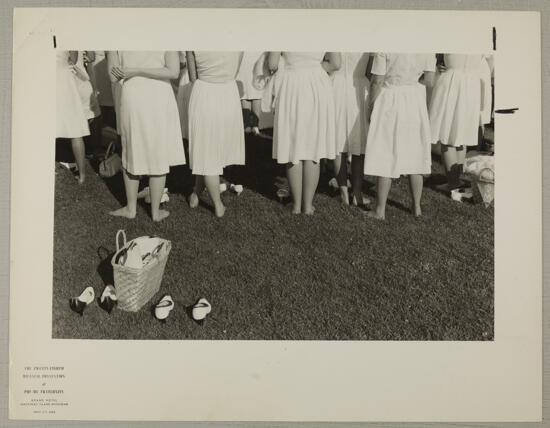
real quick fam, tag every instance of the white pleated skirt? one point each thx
(150, 127)
(455, 108)
(216, 130)
(351, 126)
(399, 140)
(304, 126)
(71, 121)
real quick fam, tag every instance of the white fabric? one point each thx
(149, 120)
(399, 132)
(486, 92)
(86, 89)
(304, 127)
(245, 77)
(71, 121)
(351, 86)
(216, 131)
(456, 101)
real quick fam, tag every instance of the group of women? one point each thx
(383, 111)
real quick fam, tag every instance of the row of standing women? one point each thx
(324, 107)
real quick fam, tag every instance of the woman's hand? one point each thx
(442, 68)
(123, 73)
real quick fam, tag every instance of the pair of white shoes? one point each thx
(107, 301)
(166, 304)
(146, 194)
(236, 188)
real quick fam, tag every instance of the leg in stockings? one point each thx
(383, 186)
(156, 186)
(255, 116)
(450, 162)
(79, 152)
(294, 175)
(131, 184)
(309, 186)
(213, 185)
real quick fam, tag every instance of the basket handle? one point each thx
(120, 232)
(109, 149)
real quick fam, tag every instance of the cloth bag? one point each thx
(112, 163)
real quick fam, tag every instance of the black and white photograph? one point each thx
(274, 195)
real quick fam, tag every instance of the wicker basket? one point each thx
(135, 287)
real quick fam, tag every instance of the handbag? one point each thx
(112, 163)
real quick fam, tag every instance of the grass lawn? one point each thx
(268, 274)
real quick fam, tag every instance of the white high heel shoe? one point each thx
(201, 309)
(78, 304)
(108, 299)
(163, 308)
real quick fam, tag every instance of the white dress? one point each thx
(86, 90)
(149, 120)
(399, 139)
(456, 101)
(216, 132)
(71, 121)
(304, 127)
(486, 91)
(245, 77)
(183, 94)
(351, 88)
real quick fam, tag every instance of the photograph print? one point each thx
(274, 196)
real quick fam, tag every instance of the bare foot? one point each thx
(416, 210)
(220, 210)
(376, 215)
(194, 200)
(344, 196)
(162, 214)
(311, 211)
(124, 212)
(296, 211)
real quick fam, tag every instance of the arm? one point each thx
(169, 71)
(113, 62)
(375, 87)
(332, 61)
(429, 81)
(90, 55)
(73, 57)
(273, 61)
(191, 66)
(368, 71)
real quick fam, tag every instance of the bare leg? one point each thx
(460, 158)
(197, 190)
(357, 176)
(131, 184)
(156, 186)
(383, 186)
(294, 175)
(450, 162)
(310, 181)
(79, 152)
(255, 117)
(341, 173)
(416, 181)
(213, 185)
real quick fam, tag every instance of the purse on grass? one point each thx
(112, 163)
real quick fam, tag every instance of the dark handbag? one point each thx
(112, 163)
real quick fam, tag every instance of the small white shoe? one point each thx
(223, 187)
(237, 188)
(201, 309)
(163, 308)
(78, 304)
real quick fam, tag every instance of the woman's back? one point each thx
(402, 69)
(142, 59)
(463, 62)
(302, 59)
(217, 67)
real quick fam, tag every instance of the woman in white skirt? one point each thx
(351, 88)
(251, 98)
(149, 124)
(304, 128)
(399, 138)
(455, 108)
(216, 137)
(71, 120)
